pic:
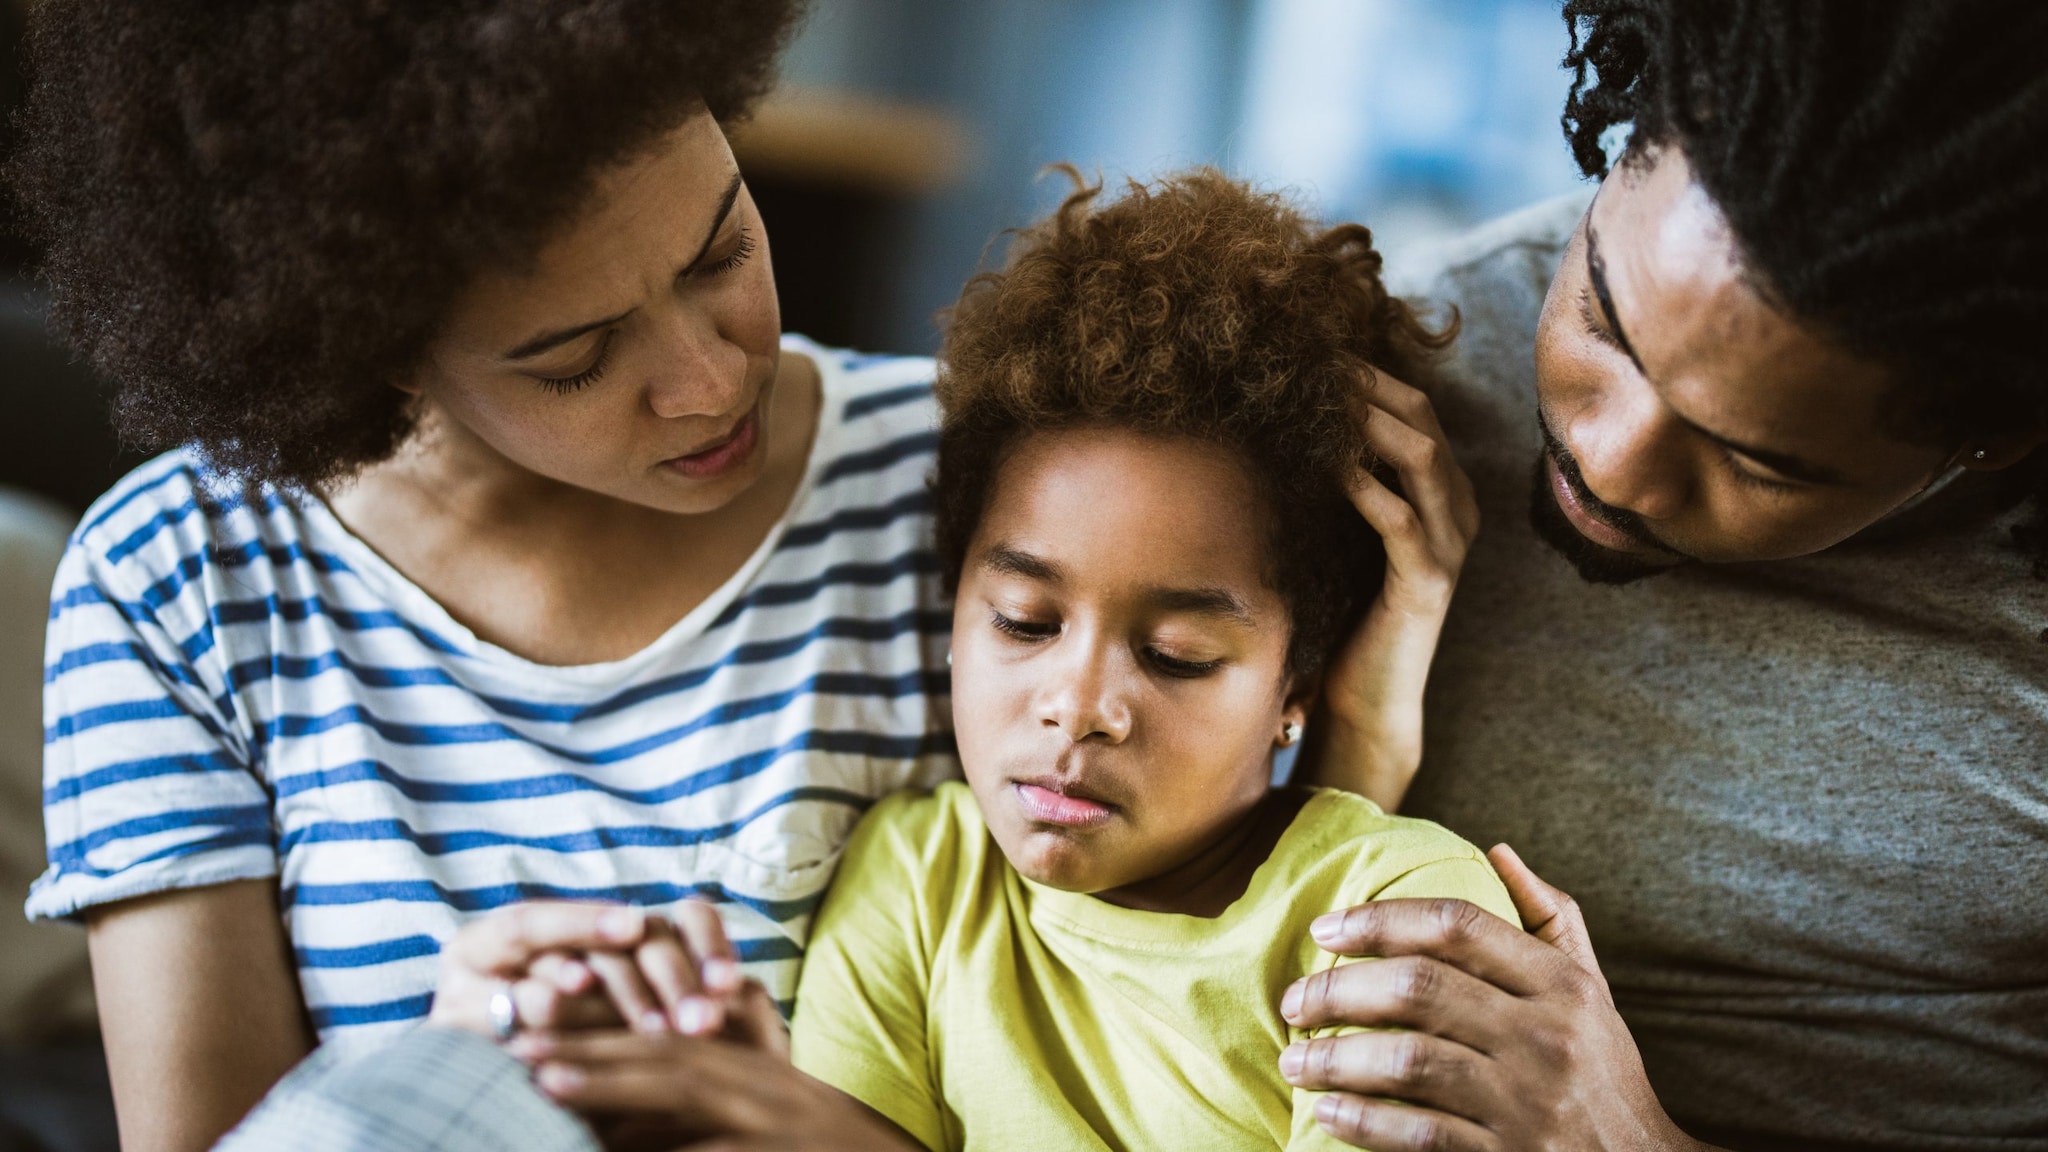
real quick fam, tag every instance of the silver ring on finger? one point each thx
(503, 1013)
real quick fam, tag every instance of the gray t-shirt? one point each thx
(1804, 804)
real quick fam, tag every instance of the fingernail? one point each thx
(573, 977)
(1326, 927)
(557, 1078)
(623, 925)
(721, 975)
(693, 1016)
(1290, 1004)
(1291, 1060)
(652, 1021)
(1326, 1109)
(527, 1047)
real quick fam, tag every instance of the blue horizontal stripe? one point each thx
(878, 458)
(923, 622)
(599, 839)
(853, 574)
(498, 895)
(136, 486)
(867, 518)
(888, 398)
(224, 827)
(488, 732)
(831, 741)
(127, 771)
(389, 1011)
(369, 955)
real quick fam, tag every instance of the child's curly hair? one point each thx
(1193, 306)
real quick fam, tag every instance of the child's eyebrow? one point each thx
(1016, 563)
(1204, 602)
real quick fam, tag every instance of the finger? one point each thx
(506, 940)
(1385, 1126)
(634, 1001)
(754, 1020)
(1430, 478)
(1413, 1066)
(1412, 408)
(1456, 932)
(1550, 914)
(718, 962)
(1405, 401)
(1414, 992)
(565, 972)
(704, 1084)
(670, 971)
(544, 1007)
(1401, 534)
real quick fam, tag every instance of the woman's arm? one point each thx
(200, 1007)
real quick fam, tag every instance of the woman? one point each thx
(511, 553)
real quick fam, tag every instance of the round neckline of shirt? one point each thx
(1139, 930)
(422, 609)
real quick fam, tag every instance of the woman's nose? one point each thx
(699, 373)
(1631, 454)
(1086, 699)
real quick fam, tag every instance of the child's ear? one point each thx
(1294, 710)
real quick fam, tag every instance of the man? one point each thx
(1778, 720)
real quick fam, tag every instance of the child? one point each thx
(1149, 423)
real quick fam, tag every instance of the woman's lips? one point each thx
(1049, 807)
(724, 456)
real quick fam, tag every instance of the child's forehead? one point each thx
(1164, 511)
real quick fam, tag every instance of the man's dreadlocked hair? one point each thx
(1884, 166)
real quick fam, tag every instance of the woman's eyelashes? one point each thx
(1035, 632)
(740, 251)
(589, 376)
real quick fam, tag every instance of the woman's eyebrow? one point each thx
(561, 336)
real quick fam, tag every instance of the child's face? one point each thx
(1119, 662)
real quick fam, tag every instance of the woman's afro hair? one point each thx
(254, 214)
(1191, 307)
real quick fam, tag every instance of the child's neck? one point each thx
(1216, 877)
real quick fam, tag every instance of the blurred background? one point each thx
(906, 136)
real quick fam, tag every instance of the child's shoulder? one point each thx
(1368, 854)
(916, 829)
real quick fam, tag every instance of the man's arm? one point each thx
(1508, 1039)
(431, 1090)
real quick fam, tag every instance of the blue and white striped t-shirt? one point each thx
(238, 690)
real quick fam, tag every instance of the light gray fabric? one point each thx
(430, 1090)
(1804, 804)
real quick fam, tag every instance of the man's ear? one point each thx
(1995, 452)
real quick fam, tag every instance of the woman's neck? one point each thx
(1213, 879)
(560, 574)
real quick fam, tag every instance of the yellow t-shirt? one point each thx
(979, 1010)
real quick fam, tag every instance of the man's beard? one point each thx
(1595, 564)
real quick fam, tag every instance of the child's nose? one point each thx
(1087, 700)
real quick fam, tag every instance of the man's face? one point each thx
(1686, 419)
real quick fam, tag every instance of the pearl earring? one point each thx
(949, 657)
(1289, 733)
(1980, 453)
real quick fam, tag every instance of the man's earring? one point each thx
(949, 657)
(1289, 733)
(1980, 453)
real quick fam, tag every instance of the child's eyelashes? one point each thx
(1030, 631)
(1022, 629)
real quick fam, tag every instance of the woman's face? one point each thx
(635, 358)
(1119, 662)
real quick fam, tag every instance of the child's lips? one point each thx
(1064, 808)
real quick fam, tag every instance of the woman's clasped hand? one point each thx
(644, 1025)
